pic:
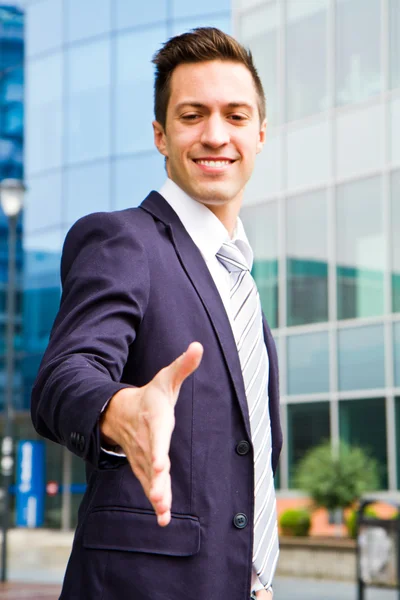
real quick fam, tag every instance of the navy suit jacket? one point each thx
(136, 292)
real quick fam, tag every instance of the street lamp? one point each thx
(11, 199)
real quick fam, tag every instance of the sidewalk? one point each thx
(15, 591)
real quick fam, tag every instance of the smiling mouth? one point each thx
(217, 163)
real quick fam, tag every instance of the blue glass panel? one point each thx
(88, 108)
(396, 354)
(127, 14)
(43, 202)
(219, 21)
(361, 358)
(134, 88)
(86, 19)
(44, 26)
(135, 177)
(395, 195)
(183, 8)
(308, 363)
(88, 190)
(394, 25)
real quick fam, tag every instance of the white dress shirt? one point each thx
(208, 233)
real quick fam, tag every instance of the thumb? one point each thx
(183, 366)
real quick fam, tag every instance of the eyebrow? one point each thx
(201, 105)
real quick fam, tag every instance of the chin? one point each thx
(214, 196)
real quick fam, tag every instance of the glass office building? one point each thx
(323, 213)
(89, 147)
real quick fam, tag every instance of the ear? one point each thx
(160, 139)
(262, 136)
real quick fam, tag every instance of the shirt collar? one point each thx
(205, 229)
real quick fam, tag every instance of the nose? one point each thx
(215, 132)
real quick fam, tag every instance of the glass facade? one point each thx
(330, 176)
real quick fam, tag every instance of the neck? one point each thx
(227, 214)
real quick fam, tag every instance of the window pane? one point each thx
(397, 408)
(44, 30)
(183, 8)
(394, 24)
(360, 249)
(363, 423)
(128, 16)
(222, 22)
(43, 202)
(88, 110)
(396, 240)
(308, 426)
(358, 73)
(135, 177)
(396, 354)
(261, 224)
(258, 30)
(88, 190)
(134, 89)
(266, 179)
(359, 145)
(307, 259)
(308, 363)
(306, 39)
(41, 289)
(86, 19)
(394, 128)
(308, 154)
(361, 358)
(44, 91)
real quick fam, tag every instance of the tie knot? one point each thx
(231, 257)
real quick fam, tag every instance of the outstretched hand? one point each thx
(141, 421)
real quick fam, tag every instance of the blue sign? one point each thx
(30, 486)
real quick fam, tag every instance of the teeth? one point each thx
(214, 163)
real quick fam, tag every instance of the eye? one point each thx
(190, 117)
(237, 117)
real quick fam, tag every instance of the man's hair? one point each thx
(199, 45)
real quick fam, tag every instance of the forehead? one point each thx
(211, 82)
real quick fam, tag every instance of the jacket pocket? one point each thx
(137, 530)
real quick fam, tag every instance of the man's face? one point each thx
(213, 130)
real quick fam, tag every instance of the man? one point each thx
(160, 372)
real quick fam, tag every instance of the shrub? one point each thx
(335, 480)
(295, 522)
(351, 520)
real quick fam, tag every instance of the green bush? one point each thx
(335, 480)
(295, 522)
(351, 520)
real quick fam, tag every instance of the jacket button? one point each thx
(81, 443)
(240, 520)
(243, 447)
(72, 437)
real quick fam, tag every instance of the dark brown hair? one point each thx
(199, 45)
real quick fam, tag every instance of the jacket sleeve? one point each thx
(105, 288)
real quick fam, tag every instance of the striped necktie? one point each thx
(248, 333)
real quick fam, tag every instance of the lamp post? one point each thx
(11, 198)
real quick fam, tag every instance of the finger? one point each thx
(176, 373)
(159, 483)
(161, 427)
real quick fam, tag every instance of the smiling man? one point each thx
(161, 371)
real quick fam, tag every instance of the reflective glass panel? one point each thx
(306, 44)
(307, 258)
(308, 426)
(361, 358)
(360, 249)
(397, 406)
(43, 201)
(150, 12)
(135, 177)
(358, 69)
(44, 27)
(308, 155)
(394, 25)
(88, 190)
(394, 129)
(396, 354)
(266, 179)
(43, 120)
(359, 140)
(134, 89)
(395, 220)
(261, 225)
(308, 363)
(183, 8)
(88, 18)
(258, 30)
(363, 423)
(88, 102)
(221, 21)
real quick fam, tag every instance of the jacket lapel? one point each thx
(198, 273)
